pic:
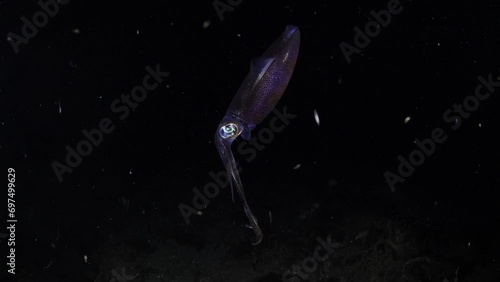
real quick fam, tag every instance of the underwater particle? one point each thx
(297, 166)
(76, 31)
(361, 235)
(316, 117)
(332, 182)
(206, 24)
(479, 124)
(407, 119)
(59, 108)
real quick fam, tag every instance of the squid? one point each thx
(255, 99)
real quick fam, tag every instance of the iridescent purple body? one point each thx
(257, 96)
(267, 80)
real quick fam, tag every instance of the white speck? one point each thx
(85, 258)
(479, 125)
(407, 119)
(76, 31)
(468, 245)
(25, 156)
(59, 107)
(362, 235)
(206, 24)
(199, 212)
(137, 32)
(439, 44)
(340, 80)
(332, 182)
(239, 35)
(100, 97)
(316, 117)
(297, 166)
(130, 172)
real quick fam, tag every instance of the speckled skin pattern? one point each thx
(257, 97)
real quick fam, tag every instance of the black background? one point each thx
(424, 61)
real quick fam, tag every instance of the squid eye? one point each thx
(228, 130)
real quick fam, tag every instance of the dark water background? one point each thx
(116, 215)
